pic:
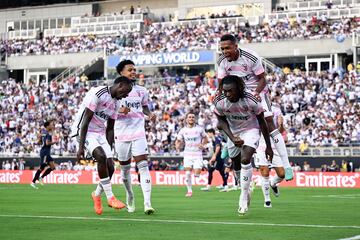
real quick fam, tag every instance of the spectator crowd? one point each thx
(185, 36)
(319, 109)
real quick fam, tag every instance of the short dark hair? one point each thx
(239, 82)
(211, 130)
(122, 79)
(228, 37)
(47, 123)
(122, 64)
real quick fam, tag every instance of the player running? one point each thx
(264, 166)
(130, 138)
(241, 116)
(45, 157)
(195, 141)
(247, 65)
(94, 128)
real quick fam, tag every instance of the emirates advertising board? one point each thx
(168, 178)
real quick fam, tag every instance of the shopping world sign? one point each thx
(165, 59)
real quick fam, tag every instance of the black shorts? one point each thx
(46, 159)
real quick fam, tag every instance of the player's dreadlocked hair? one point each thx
(239, 82)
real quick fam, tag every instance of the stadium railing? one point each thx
(330, 14)
(254, 20)
(78, 70)
(98, 30)
(106, 20)
(23, 34)
(311, 5)
(355, 39)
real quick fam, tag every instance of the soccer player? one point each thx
(247, 64)
(46, 159)
(94, 128)
(264, 166)
(195, 140)
(216, 162)
(241, 116)
(130, 138)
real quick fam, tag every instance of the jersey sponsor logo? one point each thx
(102, 115)
(242, 118)
(135, 105)
(191, 139)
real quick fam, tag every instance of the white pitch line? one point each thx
(179, 221)
(357, 237)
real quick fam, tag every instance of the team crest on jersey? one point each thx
(245, 67)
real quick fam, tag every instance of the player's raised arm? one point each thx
(265, 133)
(88, 115)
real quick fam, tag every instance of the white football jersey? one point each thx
(131, 126)
(98, 100)
(247, 66)
(240, 115)
(192, 136)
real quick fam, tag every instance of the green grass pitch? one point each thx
(65, 212)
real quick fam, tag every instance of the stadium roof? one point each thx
(29, 3)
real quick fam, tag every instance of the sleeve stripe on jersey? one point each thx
(218, 98)
(80, 122)
(101, 92)
(221, 58)
(250, 96)
(249, 55)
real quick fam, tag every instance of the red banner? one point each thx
(301, 179)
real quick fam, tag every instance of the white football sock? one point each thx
(276, 180)
(145, 181)
(126, 178)
(265, 186)
(99, 190)
(246, 175)
(279, 143)
(188, 181)
(106, 185)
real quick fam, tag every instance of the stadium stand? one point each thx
(313, 100)
(159, 38)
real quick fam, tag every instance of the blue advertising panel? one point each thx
(171, 58)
